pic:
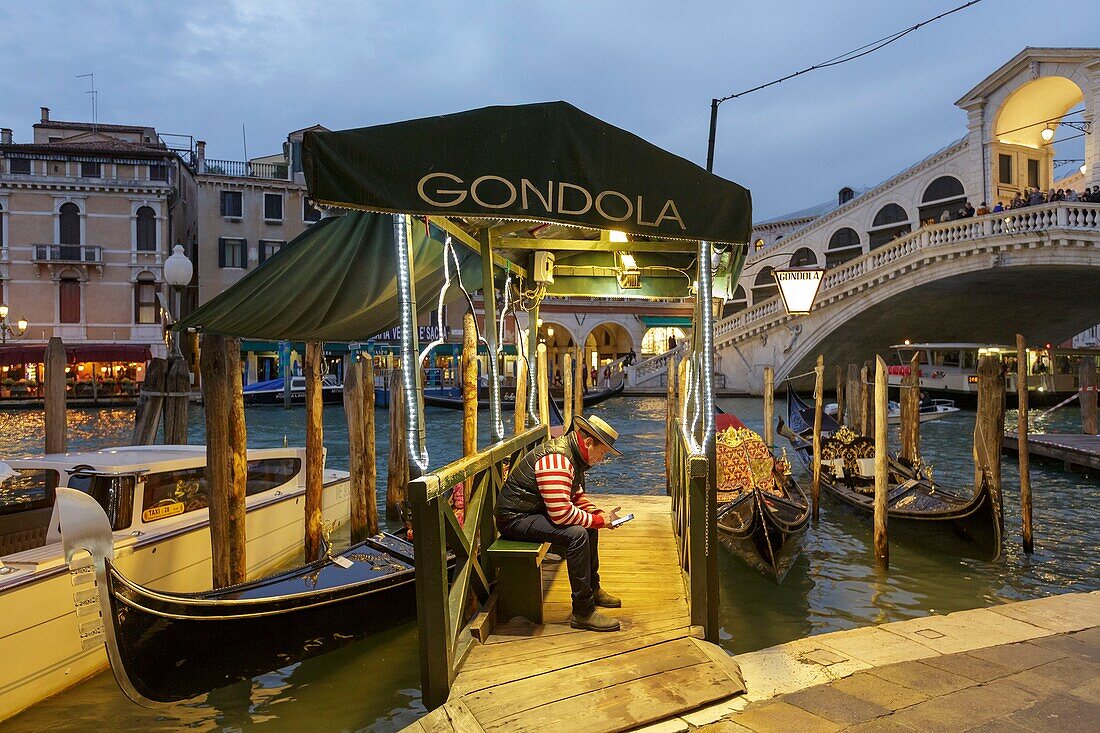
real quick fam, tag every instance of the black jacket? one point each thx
(520, 493)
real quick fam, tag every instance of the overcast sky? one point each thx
(205, 68)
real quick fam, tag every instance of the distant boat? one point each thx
(762, 512)
(157, 526)
(929, 410)
(451, 397)
(914, 501)
(270, 392)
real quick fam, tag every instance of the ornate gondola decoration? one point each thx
(923, 510)
(169, 647)
(763, 513)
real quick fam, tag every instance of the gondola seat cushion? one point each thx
(24, 530)
(519, 590)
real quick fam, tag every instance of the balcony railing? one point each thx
(88, 254)
(245, 169)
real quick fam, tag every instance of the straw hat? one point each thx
(600, 430)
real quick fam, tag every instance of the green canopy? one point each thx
(547, 162)
(335, 282)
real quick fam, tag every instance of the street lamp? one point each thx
(6, 329)
(177, 273)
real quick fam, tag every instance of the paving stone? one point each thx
(1089, 692)
(1000, 725)
(882, 692)
(1056, 614)
(1089, 636)
(965, 709)
(779, 717)
(1055, 677)
(1018, 657)
(1072, 646)
(965, 630)
(876, 646)
(970, 667)
(880, 725)
(831, 703)
(922, 678)
(1058, 713)
(723, 726)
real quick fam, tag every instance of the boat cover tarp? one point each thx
(335, 282)
(540, 162)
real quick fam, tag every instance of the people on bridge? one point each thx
(671, 342)
(998, 207)
(982, 210)
(543, 500)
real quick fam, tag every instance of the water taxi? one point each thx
(156, 500)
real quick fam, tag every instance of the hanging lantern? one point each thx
(798, 286)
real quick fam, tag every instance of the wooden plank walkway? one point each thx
(1081, 452)
(554, 678)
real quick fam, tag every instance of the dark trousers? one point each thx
(581, 553)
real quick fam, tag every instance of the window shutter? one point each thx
(221, 251)
(244, 253)
(262, 252)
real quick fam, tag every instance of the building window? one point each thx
(890, 214)
(843, 246)
(1004, 167)
(90, 170)
(845, 195)
(158, 173)
(232, 253)
(943, 194)
(764, 287)
(1032, 173)
(69, 224)
(268, 247)
(310, 213)
(739, 301)
(804, 257)
(232, 204)
(68, 291)
(145, 300)
(758, 245)
(21, 166)
(146, 230)
(273, 206)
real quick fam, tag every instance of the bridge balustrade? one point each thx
(1029, 220)
(443, 595)
(695, 523)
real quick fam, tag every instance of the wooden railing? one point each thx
(695, 522)
(442, 595)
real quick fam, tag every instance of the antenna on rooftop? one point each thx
(244, 141)
(95, 99)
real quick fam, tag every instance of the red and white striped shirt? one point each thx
(554, 474)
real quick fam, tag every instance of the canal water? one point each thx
(373, 685)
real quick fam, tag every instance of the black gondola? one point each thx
(451, 397)
(762, 518)
(916, 505)
(170, 647)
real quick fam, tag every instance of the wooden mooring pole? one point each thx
(315, 450)
(543, 387)
(882, 483)
(521, 397)
(989, 428)
(397, 480)
(769, 406)
(670, 419)
(151, 401)
(178, 387)
(215, 402)
(370, 458)
(910, 412)
(56, 427)
(868, 411)
(568, 404)
(358, 398)
(839, 394)
(1087, 383)
(1021, 442)
(238, 460)
(469, 385)
(578, 383)
(819, 409)
(853, 394)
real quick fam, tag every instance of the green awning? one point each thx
(667, 321)
(335, 282)
(537, 162)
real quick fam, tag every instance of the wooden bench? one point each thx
(519, 592)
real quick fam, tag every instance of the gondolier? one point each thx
(543, 500)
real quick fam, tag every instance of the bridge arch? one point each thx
(607, 341)
(890, 222)
(844, 245)
(944, 193)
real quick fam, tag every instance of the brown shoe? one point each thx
(604, 599)
(594, 621)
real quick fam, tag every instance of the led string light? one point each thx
(414, 432)
(706, 319)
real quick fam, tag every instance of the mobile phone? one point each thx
(622, 520)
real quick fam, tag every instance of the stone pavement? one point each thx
(1050, 683)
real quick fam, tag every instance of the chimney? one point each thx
(45, 114)
(5, 136)
(200, 156)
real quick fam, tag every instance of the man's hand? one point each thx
(611, 516)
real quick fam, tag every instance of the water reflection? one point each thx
(373, 684)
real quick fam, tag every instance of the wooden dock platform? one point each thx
(555, 678)
(1080, 452)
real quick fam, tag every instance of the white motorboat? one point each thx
(929, 410)
(156, 499)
